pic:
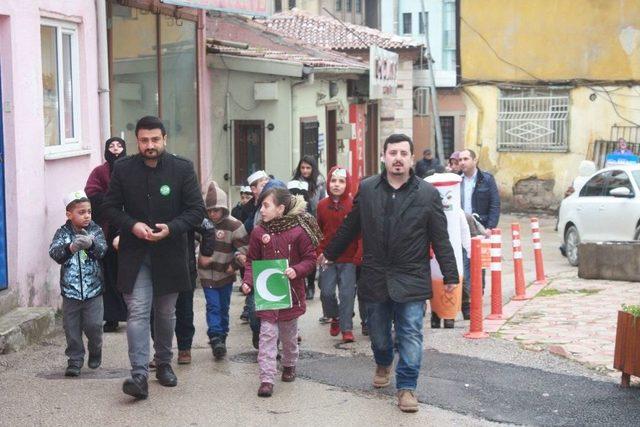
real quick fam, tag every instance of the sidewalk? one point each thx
(573, 318)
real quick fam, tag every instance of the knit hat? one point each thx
(215, 197)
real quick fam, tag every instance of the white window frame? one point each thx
(66, 28)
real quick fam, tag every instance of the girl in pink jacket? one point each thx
(287, 231)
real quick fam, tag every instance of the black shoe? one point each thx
(466, 313)
(110, 326)
(310, 293)
(72, 371)
(435, 321)
(218, 347)
(255, 339)
(95, 360)
(165, 375)
(245, 316)
(136, 386)
(449, 323)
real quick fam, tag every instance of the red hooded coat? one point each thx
(330, 215)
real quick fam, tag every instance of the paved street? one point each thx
(463, 382)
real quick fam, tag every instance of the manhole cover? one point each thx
(88, 374)
(252, 356)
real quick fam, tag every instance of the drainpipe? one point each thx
(476, 102)
(103, 71)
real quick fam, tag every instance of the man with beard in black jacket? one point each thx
(400, 216)
(154, 200)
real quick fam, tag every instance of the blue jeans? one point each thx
(342, 275)
(218, 301)
(408, 318)
(139, 303)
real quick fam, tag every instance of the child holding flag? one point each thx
(287, 234)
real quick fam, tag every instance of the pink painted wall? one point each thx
(35, 186)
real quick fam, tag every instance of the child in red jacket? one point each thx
(331, 213)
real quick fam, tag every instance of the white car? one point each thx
(606, 208)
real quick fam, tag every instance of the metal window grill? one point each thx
(533, 120)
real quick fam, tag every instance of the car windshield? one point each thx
(636, 176)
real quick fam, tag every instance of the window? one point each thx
(277, 7)
(424, 19)
(618, 179)
(449, 35)
(533, 120)
(292, 4)
(349, 5)
(406, 23)
(309, 133)
(594, 186)
(248, 137)
(146, 80)
(447, 126)
(421, 101)
(338, 5)
(60, 85)
(358, 6)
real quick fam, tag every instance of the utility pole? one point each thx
(432, 89)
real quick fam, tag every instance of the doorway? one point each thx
(371, 157)
(248, 152)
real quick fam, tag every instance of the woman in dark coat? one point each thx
(115, 309)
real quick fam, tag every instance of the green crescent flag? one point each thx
(272, 290)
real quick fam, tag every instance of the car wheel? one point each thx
(571, 242)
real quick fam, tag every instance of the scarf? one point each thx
(297, 216)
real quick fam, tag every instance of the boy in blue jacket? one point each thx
(78, 246)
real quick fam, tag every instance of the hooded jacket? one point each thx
(230, 240)
(330, 216)
(81, 276)
(293, 244)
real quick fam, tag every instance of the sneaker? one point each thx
(72, 371)
(136, 386)
(110, 326)
(265, 390)
(324, 320)
(449, 323)
(288, 374)
(335, 328)
(407, 401)
(95, 360)
(347, 336)
(382, 377)
(165, 375)
(184, 357)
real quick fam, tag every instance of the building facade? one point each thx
(359, 12)
(439, 25)
(539, 100)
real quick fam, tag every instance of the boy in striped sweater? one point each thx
(218, 272)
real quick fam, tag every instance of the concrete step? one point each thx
(24, 326)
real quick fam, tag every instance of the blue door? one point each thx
(3, 222)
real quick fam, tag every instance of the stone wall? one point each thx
(396, 114)
(534, 194)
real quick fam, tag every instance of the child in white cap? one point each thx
(78, 246)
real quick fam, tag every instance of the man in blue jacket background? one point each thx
(480, 198)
